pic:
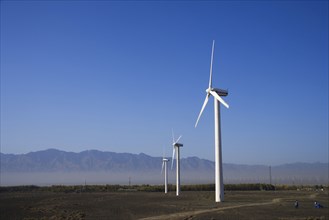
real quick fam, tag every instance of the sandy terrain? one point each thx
(156, 205)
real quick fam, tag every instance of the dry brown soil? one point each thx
(155, 205)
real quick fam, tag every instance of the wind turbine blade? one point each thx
(219, 98)
(173, 157)
(172, 134)
(211, 62)
(162, 166)
(203, 106)
(178, 139)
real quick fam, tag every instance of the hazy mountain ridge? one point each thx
(52, 160)
(55, 166)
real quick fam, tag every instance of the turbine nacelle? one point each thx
(177, 145)
(220, 92)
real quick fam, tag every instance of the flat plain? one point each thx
(195, 205)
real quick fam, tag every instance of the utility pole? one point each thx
(270, 172)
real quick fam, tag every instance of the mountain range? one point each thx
(54, 166)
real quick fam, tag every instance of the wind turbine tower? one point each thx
(164, 165)
(176, 147)
(216, 93)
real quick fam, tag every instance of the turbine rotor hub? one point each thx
(209, 89)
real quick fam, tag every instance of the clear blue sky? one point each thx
(118, 76)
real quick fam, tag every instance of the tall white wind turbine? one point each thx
(165, 165)
(216, 93)
(176, 147)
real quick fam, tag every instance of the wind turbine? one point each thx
(176, 147)
(164, 165)
(216, 93)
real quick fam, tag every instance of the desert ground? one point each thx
(157, 205)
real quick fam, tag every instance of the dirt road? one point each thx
(191, 214)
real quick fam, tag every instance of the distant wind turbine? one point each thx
(216, 93)
(164, 165)
(176, 147)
